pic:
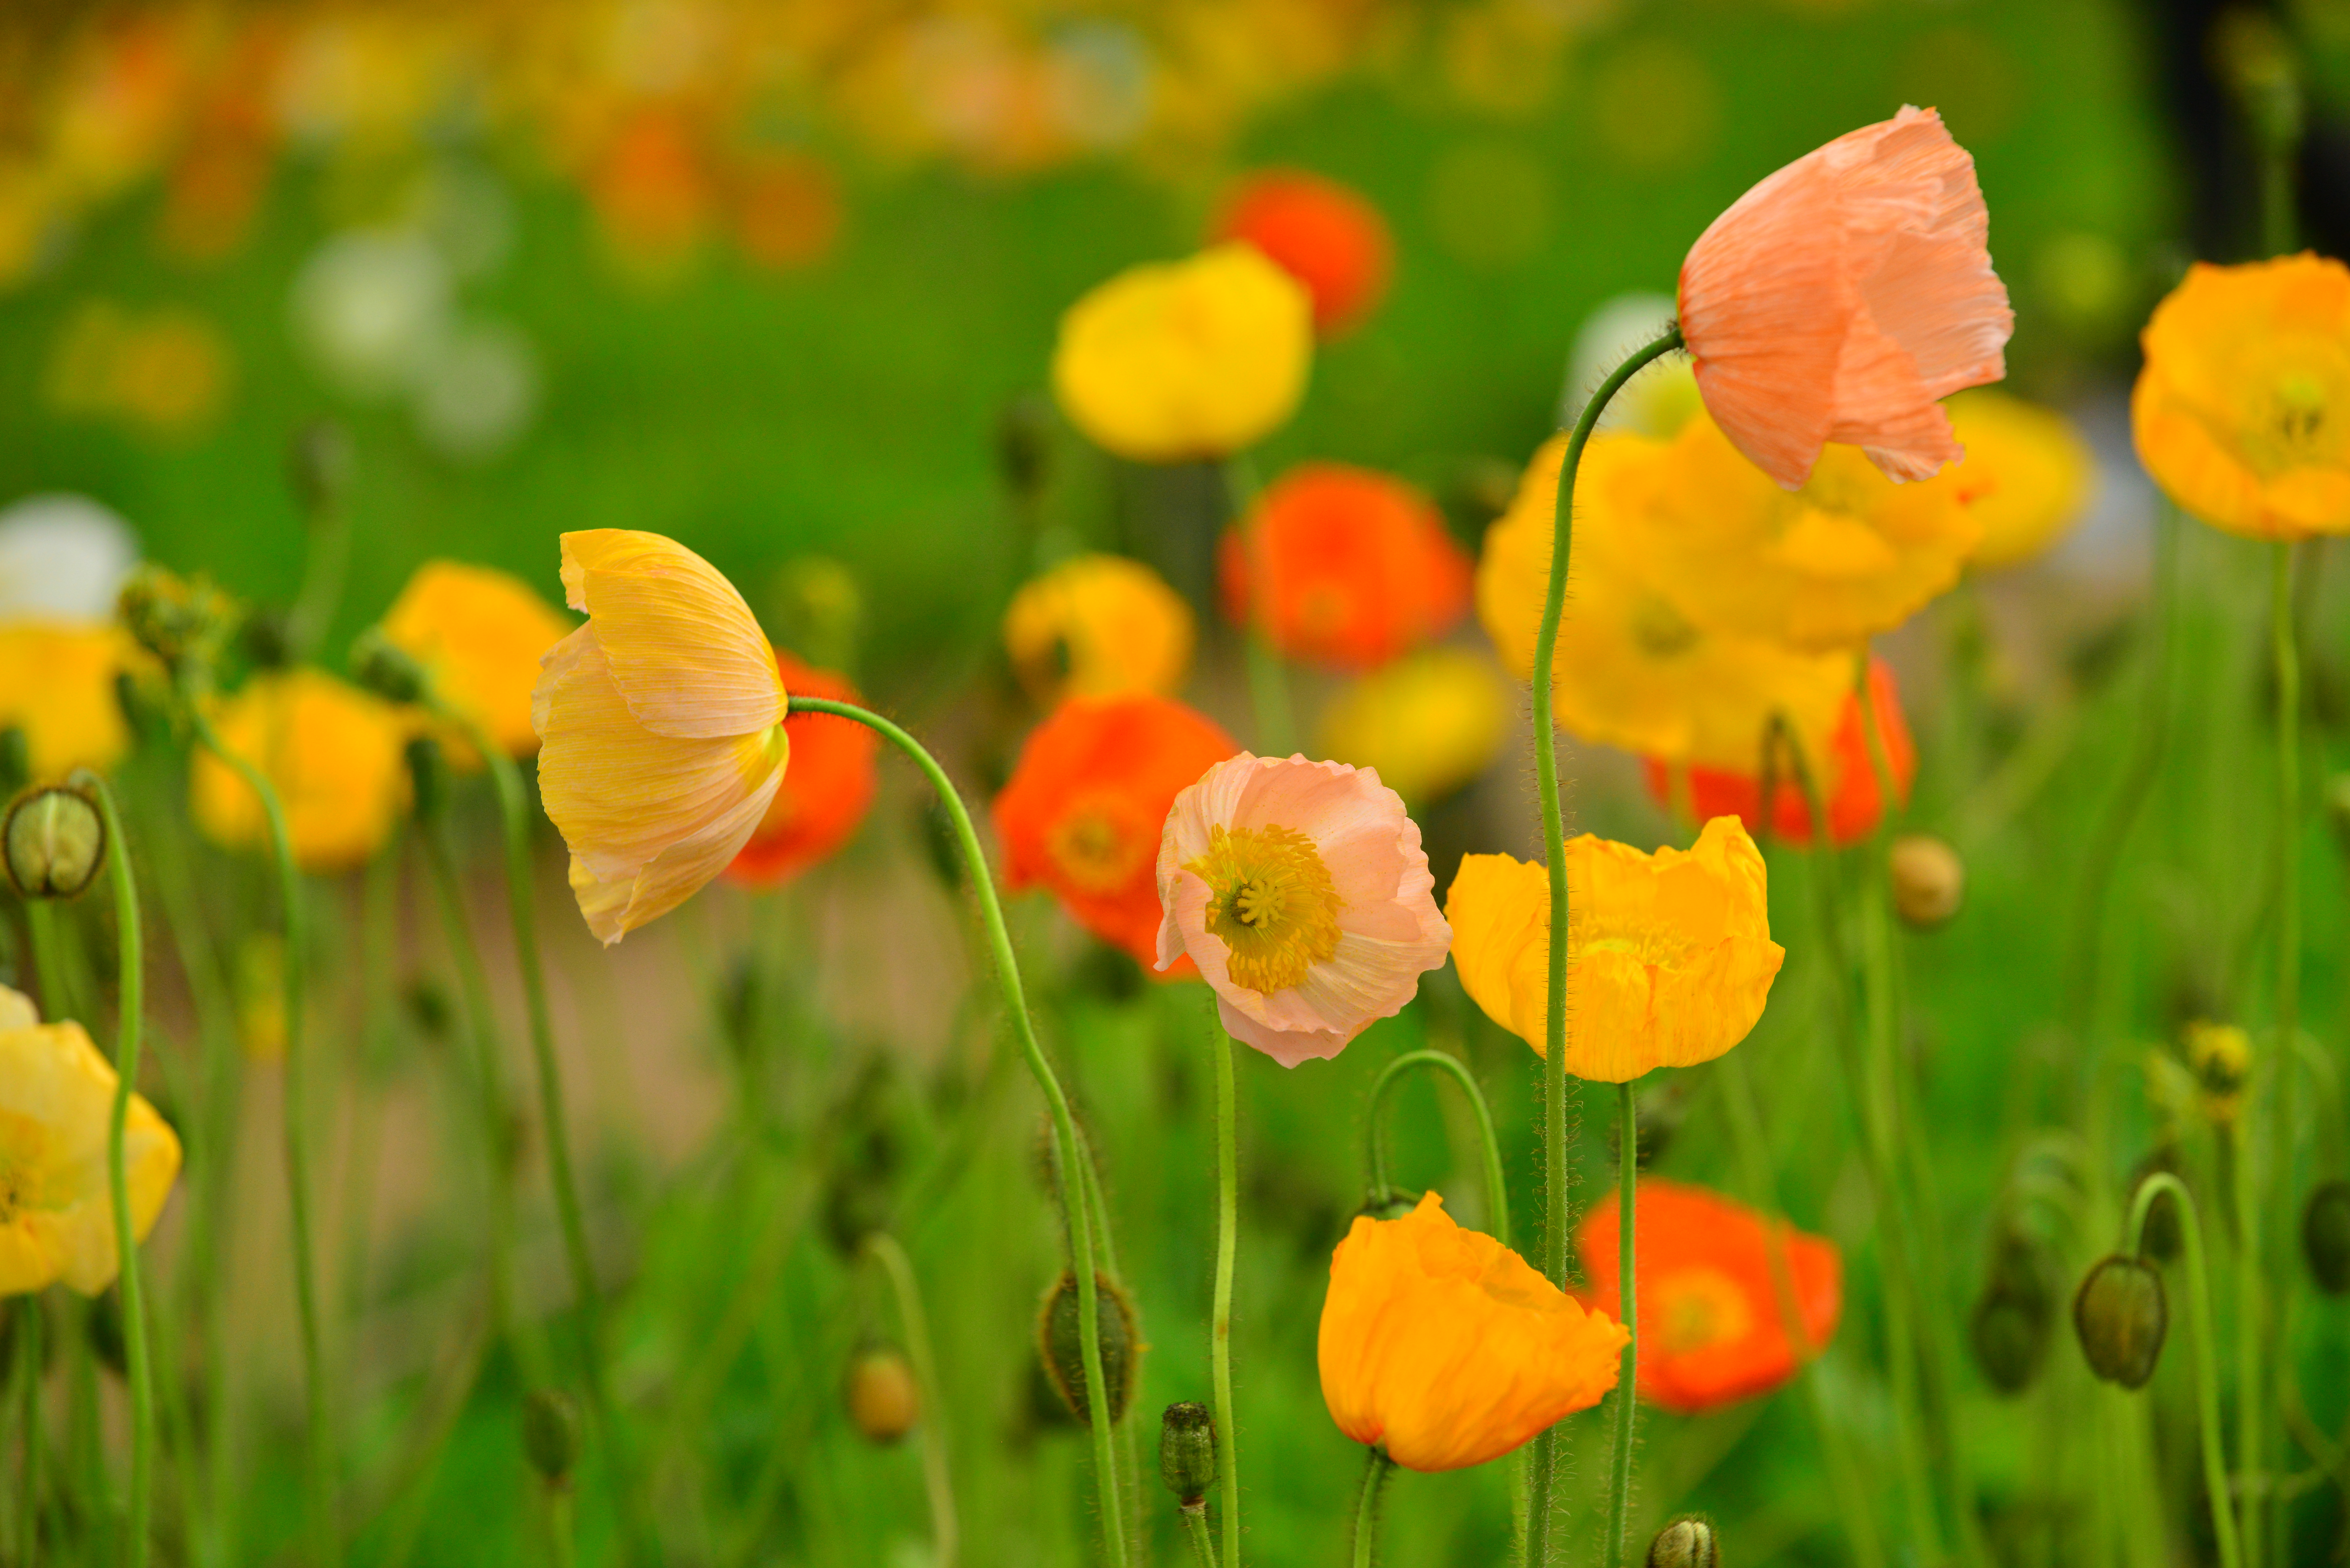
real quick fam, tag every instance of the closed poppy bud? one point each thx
(1687, 1541)
(1187, 1451)
(550, 1435)
(1060, 1340)
(2121, 1316)
(2325, 1236)
(56, 843)
(2013, 1320)
(1929, 880)
(181, 621)
(383, 667)
(884, 1401)
(2160, 1238)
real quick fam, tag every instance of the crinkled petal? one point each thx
(683, 648)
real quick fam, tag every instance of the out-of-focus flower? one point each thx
(1711, 1329)
(479, 634)
(63, 557)
(2220, 1057)
(2027, 476)
(56, 686)
(334, 754)
(370, 305)
(476, 390)
(1085, 808)
(1845, 774)
(1095, 625)
(653, 193)
(1347, 567)
(2241, 409)
(1323, 233)
(1301, 892)
(787, 211)
(57, 1103)
(1840, 298)
(1659, 398)
(1187, 359)
(826, 791)
(1632, 669)
(1670, 956)
(166, 371)
(1427, 723)
(660, 724)
(1443, 1346)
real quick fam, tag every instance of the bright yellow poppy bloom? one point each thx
(56, 686)
(1429, 723)
(479, 633)
(2027, 476)
(333, 753)
(1098, 626)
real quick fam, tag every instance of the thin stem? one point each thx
(2207, 1376)
(1064, 1129)
(2286, 646)
(28, 1373)
(1627, 1378)
(1554, 823)
(1497, 1193)
(935, 1478)
(1220, 1341)
(1367, 1509)
(2248, 1328)
(48, 958)
(1195, 1529)
(1268, 682)
(562, 1547)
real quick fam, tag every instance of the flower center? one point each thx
(1700, 1307)
(1096, 847)
(1659, 630)
(1271, 902)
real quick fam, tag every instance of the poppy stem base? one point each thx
(1367, 1509)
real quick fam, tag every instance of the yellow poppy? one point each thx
(1098, 626)
(334, 754)
(1429, 723)
(2242, 409)
(2026, 478)
(479, 633)
(1180, 360)
(1669, 959)
(2220, 1056)
(56, 1210)
(56, 686)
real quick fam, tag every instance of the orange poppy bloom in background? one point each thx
(1711, 1332)
(826, 790)
(1362, 566)
(1323, 233)
(1849, 781)
(1086, 807)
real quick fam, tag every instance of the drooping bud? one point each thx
(550, 1435)
(1060, 1342)
(182, 621)
(319, 465)
(2325, 1236)
(56, 842)
(1689, 1542)
(2016, 1317)
(1187, 1451)
(2159, 1238)
(2121, 1316)
(1929, 880)
(388, 669)
(884, 1400)
(266, 637)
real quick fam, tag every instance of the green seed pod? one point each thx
(388, 669)
(2325, 1236)
(2121, 1317)
(1187, 1451)
(884, 1400)
(56, 842)
(1061, 1343)
(2015, 1318)
(1929, 880)
(550, 1435)
(1689, 1542)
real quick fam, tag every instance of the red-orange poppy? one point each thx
(1850, 781)
(825, 790)
(1323, 233)
(1361, 564)
(1087, 804)
(1711, 1329)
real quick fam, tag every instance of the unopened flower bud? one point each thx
(1060, 1342)
(1187, 1451)
(1687, 1541)
(550, 1435)
(266, 637)
(1929, 880)
(1657, 1115)
(2121, 1317)
(884, 1400)
(56, 842)
(2159, 1238)
(2016, 1317)
(182, 621)
(2325, 1236)
(388, 669)
(319, 465)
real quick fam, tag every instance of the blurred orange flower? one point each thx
(826, 791)
(479, 633)
(1360, 563)
(1323, 233)
(2027, 477)
(333, 753)
(1711, 1328)
(787, 210)
(652, 193)
(1443, 1347)
(1095, 625)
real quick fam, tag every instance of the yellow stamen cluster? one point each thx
(1699, 1306)
(1271, 902)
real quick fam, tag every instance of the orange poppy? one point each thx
(1711, 1331)
(826, 792)
(1320, 232)
(1087, 806)
(1850, 780)
(1361, 564)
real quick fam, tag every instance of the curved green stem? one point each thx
(48, 958)
(1064, 1129)
(1554, 823)
(894, 1263)
(1497, 1193)
(1627, 1378)
(1220, 1341)
(2233, 1554)
(1367, 1509)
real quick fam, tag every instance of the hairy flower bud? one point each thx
(388, 669)
(550, 1435)
(56, 842)
(1687, 1541)
(1929, 880)
(1187, 1451)
(2121, 1317)
(1060, 1340)
(884, 1400)
(182, 621)
(2325, 1236)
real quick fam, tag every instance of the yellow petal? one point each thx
(681, 644)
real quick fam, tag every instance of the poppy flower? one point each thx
(334, 753)
(2027, 477)
(57, 1105)
(1848, 779)
(660, 724)
(1185, 360)
(57, 687)
(1323, 233)
(1669, 959)
(1086, 806)
(1301, 890)
(1442, 1346)
(1713, 1331)
(1430, 723)
(1361, 566)
(1841, 298)
(826, 791)
(1096, 625)
(478, 632)
(2242, 409)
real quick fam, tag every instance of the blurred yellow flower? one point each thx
(2221, 1056)
(57, 1100)
(2027, 476)
(57, 685)
(2242, 411)
(661, 725)
(333, 753)
(1669, 957)
(1632, 669)
(1429, 723)
(1095, 626)
(479, 633)
(1187, 359)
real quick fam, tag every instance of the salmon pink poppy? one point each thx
(826, 790)
(1322, 234)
